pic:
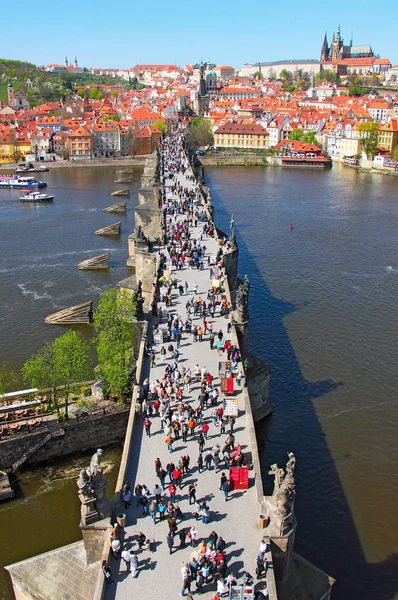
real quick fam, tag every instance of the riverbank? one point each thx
(125, 161)
(247, 160)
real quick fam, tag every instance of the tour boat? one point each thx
(11, 181)
(29, 196)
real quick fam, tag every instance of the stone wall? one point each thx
(90, 432)
(79, 435)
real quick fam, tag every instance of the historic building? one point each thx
(337, 50)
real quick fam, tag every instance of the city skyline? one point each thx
(220, 33)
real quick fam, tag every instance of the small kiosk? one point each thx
(226, 377)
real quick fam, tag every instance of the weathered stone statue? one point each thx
(232, 238)
(92, 491)
(140, 234)
(85, 490)
(242, 296)
(279, 475)
(284, 486)
(95, 463)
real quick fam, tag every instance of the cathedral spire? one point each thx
(325, 49)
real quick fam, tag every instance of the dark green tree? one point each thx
(113, 322)
(201, 133)
(8, 380)
(369, 131)
(63, 362)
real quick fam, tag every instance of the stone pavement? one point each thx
(159, 574)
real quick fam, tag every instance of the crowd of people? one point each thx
(167, 401)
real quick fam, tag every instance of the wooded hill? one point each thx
(41, 86)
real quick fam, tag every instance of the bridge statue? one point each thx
(232, 238)
(92, 491)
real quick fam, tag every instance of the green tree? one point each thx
(8, 380)
(39, 372)
(113, 322)
(309, 138)
(286, 76)
(81, 93)
(161, 125)
(369, 132)
(96, 93)
(114, 93)
(296, 134)
(258, 75)
(63, 362)
(201, 133)
(394, 153)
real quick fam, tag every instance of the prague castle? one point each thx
(338, 51)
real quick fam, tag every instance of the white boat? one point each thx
(15, 181)
(29, 168)
(29, 196)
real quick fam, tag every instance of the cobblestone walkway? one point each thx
(159, 573)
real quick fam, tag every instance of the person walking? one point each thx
(205, 429)
(126, 557)
(201, 440)
(169, 441)
(182, 534)
(147, 425)
(177, 476)
(204, 513)
(170, 542)
(223, 479)
(172, 491)
(126, 497)
(157, 491)
(225, 489)
(199, 462)
(186, 586)
(184, 431)
(141, 540)
(161, 510)
(213, 537)
(133, 564)
(192, 493)
(193, 535)
(191, 426)
(217, 461)
(208, 459)
(193, 567)
(176, 427)
(162, 477)
(153, 508)
(106, 569)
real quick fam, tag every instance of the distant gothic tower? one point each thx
(336, 46)
(325, 49)
(10, 94)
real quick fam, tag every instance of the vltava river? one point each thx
(324, 315)
(40, 246)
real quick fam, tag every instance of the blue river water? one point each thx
(324, 315)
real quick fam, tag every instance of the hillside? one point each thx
(40, 86)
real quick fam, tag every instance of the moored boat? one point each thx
(11, 181)
(29, 196)
(30, 168)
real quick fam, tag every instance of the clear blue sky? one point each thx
(125, 32)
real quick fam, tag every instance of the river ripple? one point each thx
(324, 315)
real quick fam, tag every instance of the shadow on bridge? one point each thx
(326, 533)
